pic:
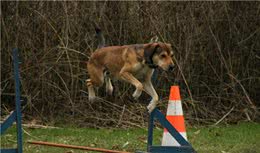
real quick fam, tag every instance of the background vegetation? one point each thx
(216, 48)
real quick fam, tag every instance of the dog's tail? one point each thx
(100, 37)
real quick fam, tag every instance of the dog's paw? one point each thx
(92, 99)
(109, 87)
(109, 91)
(151, 107)
(137, 94)
(138, 91)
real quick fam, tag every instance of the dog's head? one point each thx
(159, 54)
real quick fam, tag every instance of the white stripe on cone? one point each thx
(168, 140)
(174, 108)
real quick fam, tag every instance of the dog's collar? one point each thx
(152, 65)
(150, 62)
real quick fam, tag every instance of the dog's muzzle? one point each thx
(171, 67)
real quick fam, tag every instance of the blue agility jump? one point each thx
(16, 115)
(185, 145)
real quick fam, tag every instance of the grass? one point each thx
(240, 138)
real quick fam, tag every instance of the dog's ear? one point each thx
(149, 51)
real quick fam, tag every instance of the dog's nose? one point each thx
(171, 67)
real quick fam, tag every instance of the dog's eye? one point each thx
(163, 55)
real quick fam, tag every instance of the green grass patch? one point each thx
(241, 138)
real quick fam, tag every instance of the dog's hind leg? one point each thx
(91, 91)
(109, 87)
(96, 79)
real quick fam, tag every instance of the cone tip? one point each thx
(175, 93)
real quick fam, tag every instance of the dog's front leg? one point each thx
(128, 77)
(148, 88)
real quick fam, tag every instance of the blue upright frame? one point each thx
(15, 116)
(185, 146)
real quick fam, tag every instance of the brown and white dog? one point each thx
(134, 64)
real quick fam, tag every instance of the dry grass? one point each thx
(216, 46)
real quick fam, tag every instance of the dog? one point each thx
(134, 64)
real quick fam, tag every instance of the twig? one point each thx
(121, 116)
(224, 116)
(5, 118)
(36, 126)
(251, 35)
(244, 90)
(247, 116)
(29, 134)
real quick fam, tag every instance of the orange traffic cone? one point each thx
(175, 117)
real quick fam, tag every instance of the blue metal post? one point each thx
(150, 131)
(18, 102)
(15, 115)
